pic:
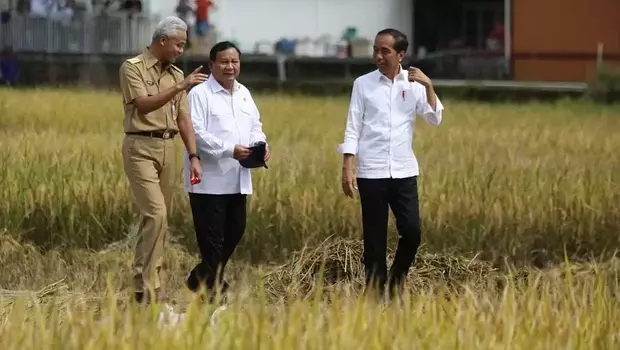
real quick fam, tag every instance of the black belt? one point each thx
(159, 134)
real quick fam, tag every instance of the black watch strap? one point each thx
(193, 155)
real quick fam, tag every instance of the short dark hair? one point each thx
(400, 39)
(222, 46)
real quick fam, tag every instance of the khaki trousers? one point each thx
(150, 167)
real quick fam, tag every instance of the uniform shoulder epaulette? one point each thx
(177, 69)
(135, 60)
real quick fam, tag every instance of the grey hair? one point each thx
(169, 26)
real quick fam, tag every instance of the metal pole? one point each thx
(508, 35)
(599, 56)
(412, 39)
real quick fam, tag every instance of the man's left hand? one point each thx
(417, 75)
(267, 153)
(195, 171)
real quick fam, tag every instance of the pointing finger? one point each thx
(197, 69)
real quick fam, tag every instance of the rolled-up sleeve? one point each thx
(354, 121)
(206, 142)
(132, 84)
(425, 110)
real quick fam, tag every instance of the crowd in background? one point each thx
(54, 9)
(194, 12)
(119, 26)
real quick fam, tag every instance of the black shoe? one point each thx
(197, 279)
(192, 282)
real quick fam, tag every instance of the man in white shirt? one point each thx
(227, 124)
(378, 146)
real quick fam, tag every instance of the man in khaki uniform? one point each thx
(156, 109)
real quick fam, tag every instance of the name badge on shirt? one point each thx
(174, 112)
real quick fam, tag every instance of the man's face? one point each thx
(226, 66)
(386, 58)
(172, 46)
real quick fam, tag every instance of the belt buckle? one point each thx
(166, 135)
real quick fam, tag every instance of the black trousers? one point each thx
(219, 222)
(377, 195)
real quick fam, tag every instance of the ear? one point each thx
(401, 56)
(210, 65)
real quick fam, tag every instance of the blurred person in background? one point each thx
(495, 41)
(203, 26)
(6, 7)
(185, 11)
(40, 8)
(9, 67)
(62, 11)
(156, 109)
(377, 157)
(23, 7)
(132, 7)
(227, 125)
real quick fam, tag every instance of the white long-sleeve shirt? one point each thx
(220, 121)
(380, 124)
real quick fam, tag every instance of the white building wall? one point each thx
(251, 21)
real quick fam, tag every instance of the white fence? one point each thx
(82, 35)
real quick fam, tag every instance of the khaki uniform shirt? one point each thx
(142, 75)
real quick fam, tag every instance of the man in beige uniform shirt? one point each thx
(156, 109)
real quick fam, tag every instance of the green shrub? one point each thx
(605, 87)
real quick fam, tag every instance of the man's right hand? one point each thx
(193, 78)
(241, 152)
(349, 184)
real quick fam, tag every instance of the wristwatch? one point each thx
(192, 155)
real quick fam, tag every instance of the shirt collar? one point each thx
(217, 87)
(402, 75)
(149, 59)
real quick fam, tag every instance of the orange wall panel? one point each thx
(566, 25)
(564, 28)
(548, 70)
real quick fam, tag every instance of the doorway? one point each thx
(443, 24)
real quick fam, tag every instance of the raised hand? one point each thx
(194, 78)
(415, 74)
